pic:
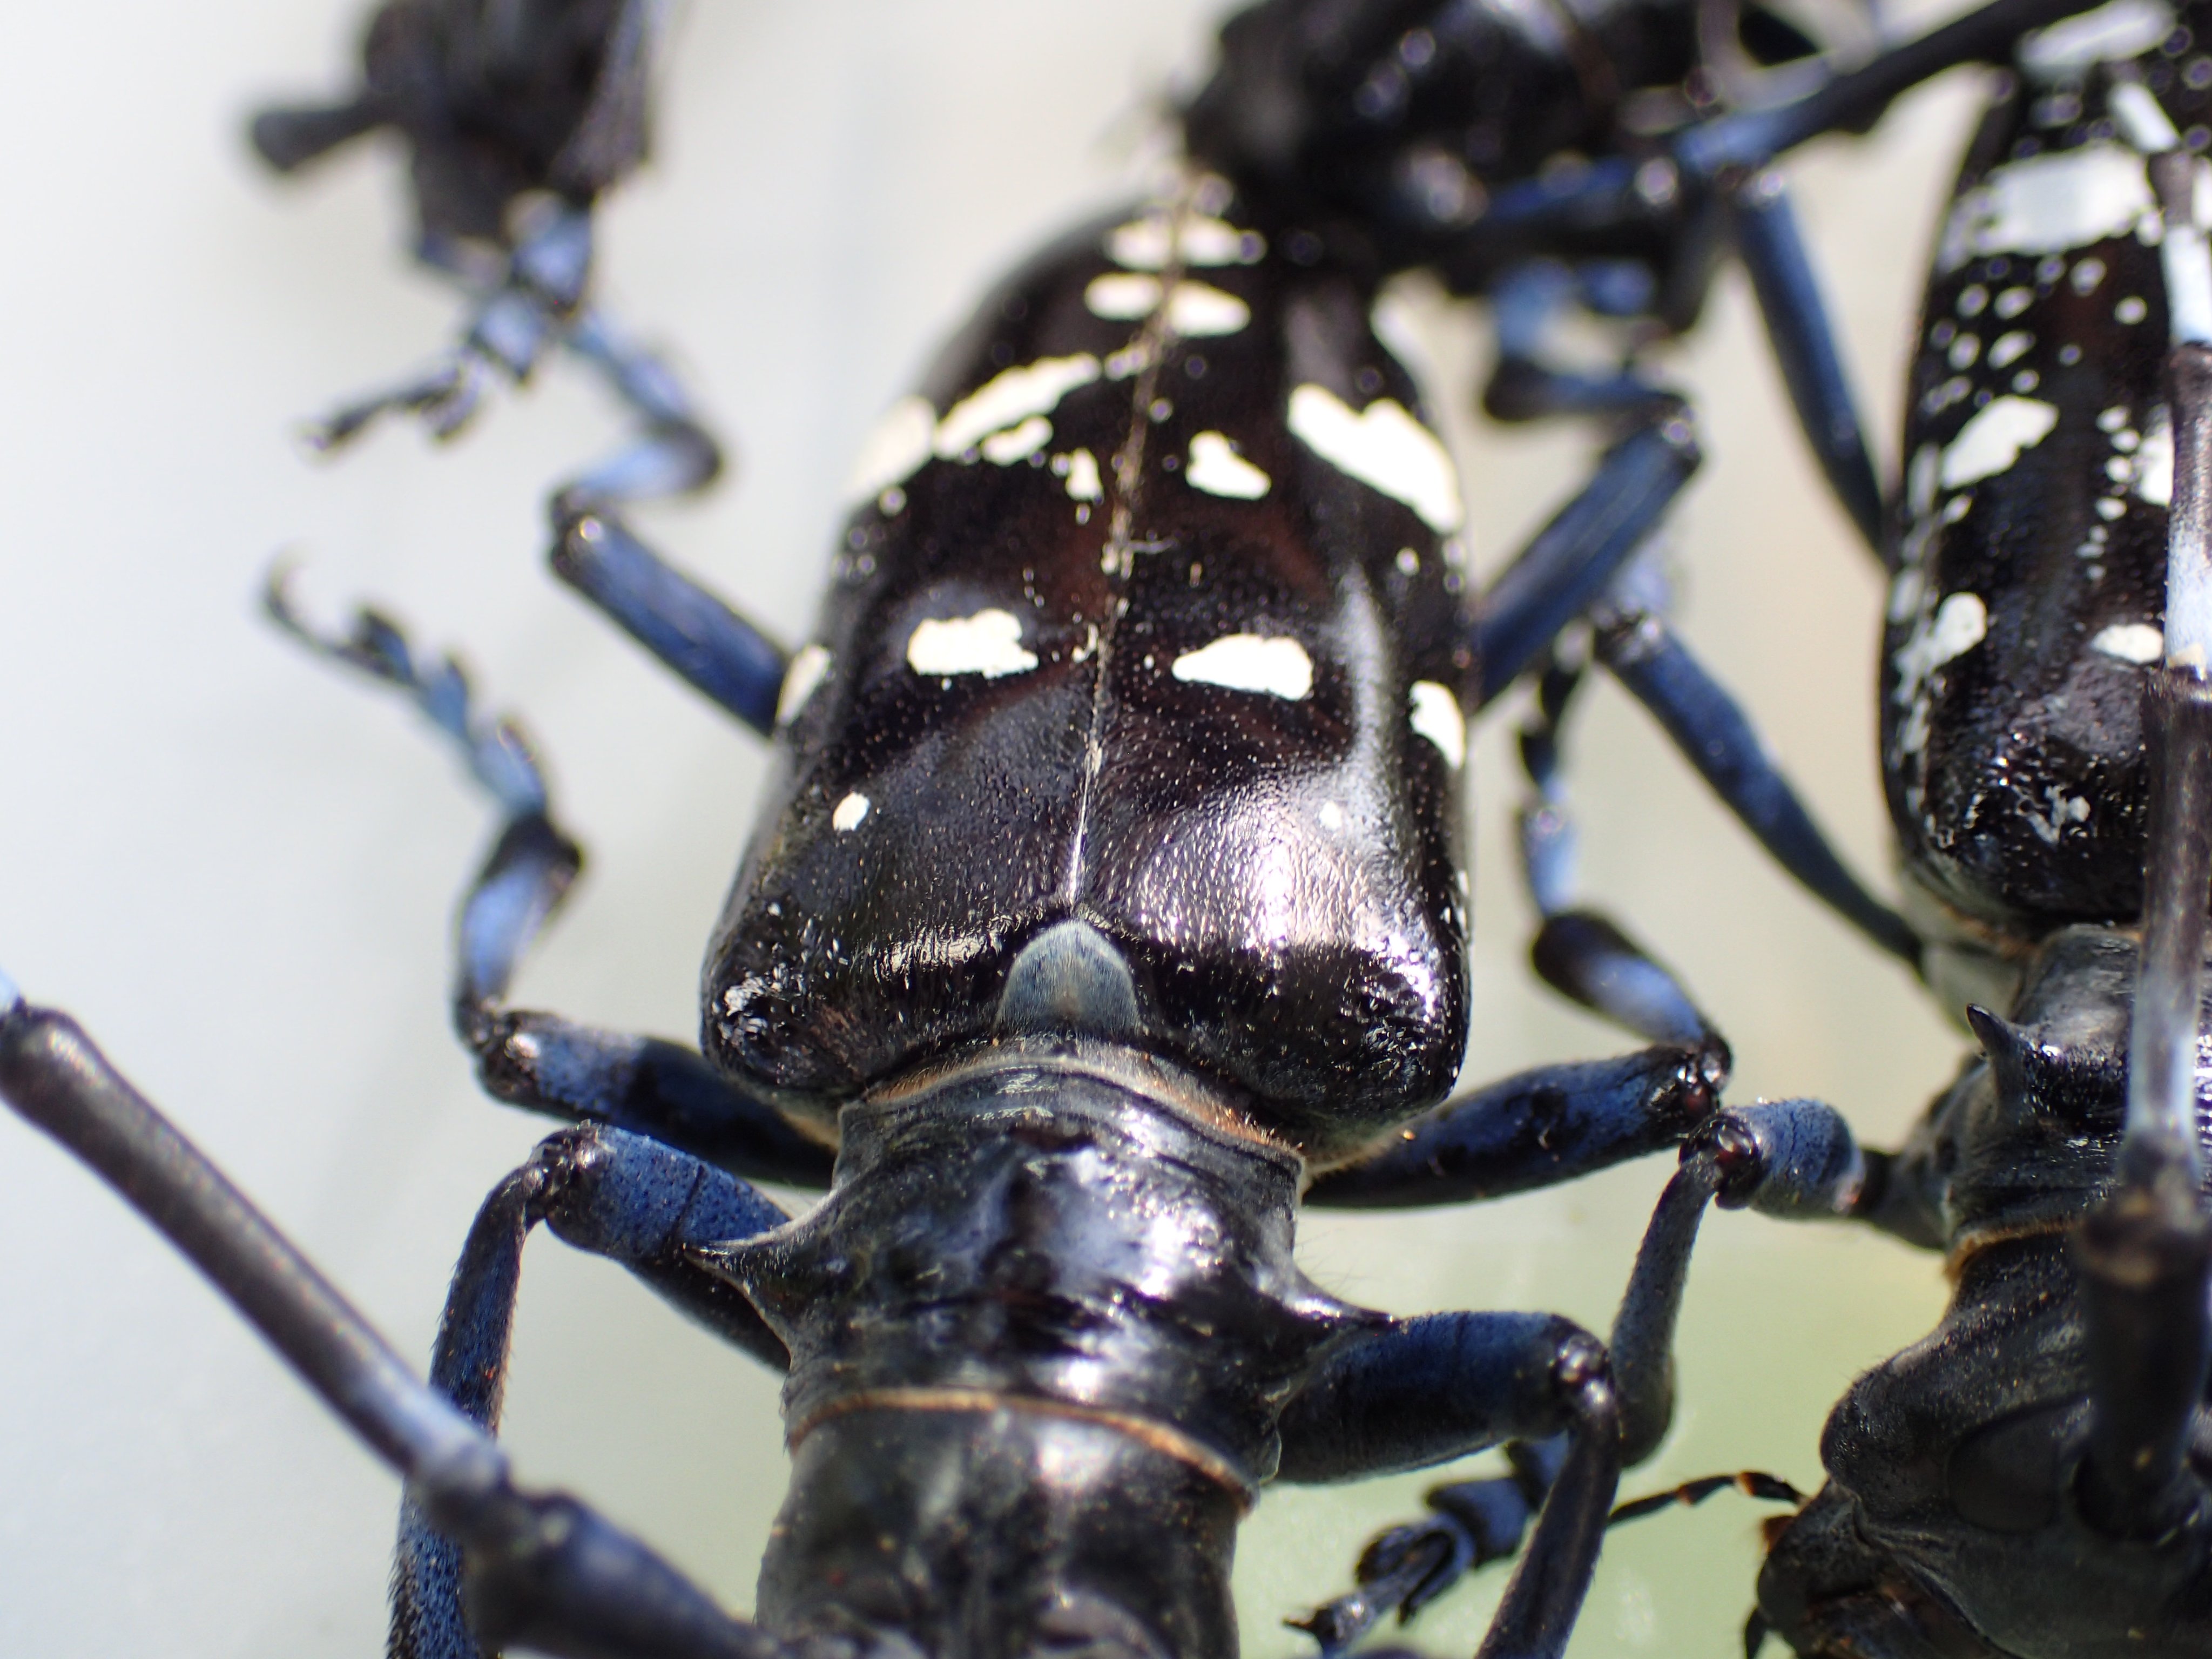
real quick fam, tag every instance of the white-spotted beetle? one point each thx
(2034, 1478)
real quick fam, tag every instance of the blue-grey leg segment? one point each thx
(1423, 1390)
(529, 305)
(1615, 191)
(1552, 1124)
(646, 1085)
(499, 757)
(679, 622)
(615, 1195)
(1804, 343)
(1713, 732)
(543, 1571)
(1849, 102)
(1582, 953)
(675, 454)
(537, 1060)
(1525, 301)
(1795, 1160)
(1575, 557)
(1792, 1158)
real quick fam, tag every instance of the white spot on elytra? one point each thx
(2131, 310)
(2143, 122)
(1905, 591)
(1207, 241)
(1200, 311)
(2048, 203)
(1010, 398)
(1961, 621)
(1959, 625)
(1965, 349)
(1017, 443)
(1920, 481)
(1409, 562)
(2087, 274)
(2013, 301)
(1990, 443)
(1146, 243)
(2154, 462)
(894, 451)
(1121, 296)
(2008, 349)
(808, 665)
(1250, 662)
(1217, 468)
(2065, 808)
(988, 643)
(1383, 446)
(1436, 716)
(2135, 643)
(850, 811)
(2111, 35)
(1197, 310)
(1083, 481)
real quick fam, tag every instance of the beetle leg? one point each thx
(1789, 1158)
(616, 1195)
(539, 1060)
(529, 305)
(1582, 953)
(1795, 1159)
(1792, 1158)
(1715, 735)
(676, 454)
(1851, 102)
(1423, 1390)
(680, 622)
(544, 1570)
(1525, 301)
(1573, 559)
(1541, 1127)
(1804, 343)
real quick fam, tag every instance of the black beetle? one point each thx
(2031, 1478)
(295, 401)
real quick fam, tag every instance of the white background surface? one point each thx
(238, 868)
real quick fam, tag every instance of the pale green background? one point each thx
(238, 870)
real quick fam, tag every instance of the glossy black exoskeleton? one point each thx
(2034, 1481)
(1108, 896)
(2031, 547)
